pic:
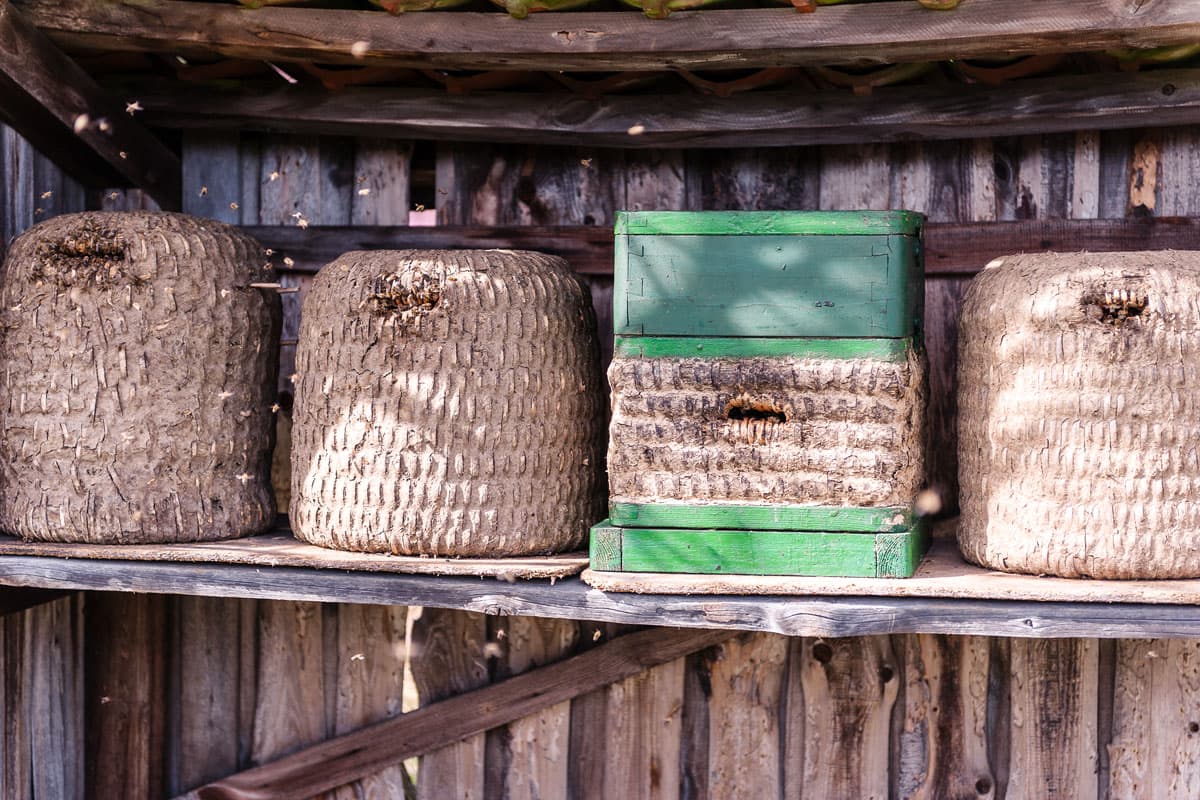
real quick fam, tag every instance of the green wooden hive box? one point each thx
(768, 394)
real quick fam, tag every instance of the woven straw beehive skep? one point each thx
(769, 431)
(139, 372)
(447, 403)
(1079, 399)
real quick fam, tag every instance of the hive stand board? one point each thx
(740, 552)
(824, 519)
(280, 549)
(796, 274)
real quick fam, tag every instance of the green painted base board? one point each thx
(762, 518)
(736, 552)
(895, 350)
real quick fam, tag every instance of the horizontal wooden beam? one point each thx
(751, 119)
(335, 762)
(951, 248)
(51, 101)
(573, 599)
(889, 32)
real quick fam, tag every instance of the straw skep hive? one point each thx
(771, 431)
(139, 372)
(1079, 401)
(448, 403)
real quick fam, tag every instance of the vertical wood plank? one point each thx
(380, 193)
(370, 684)
(1116, 152)
(850, 687)
(212, 176)
(1155, 750)
(56, 721)
(290, 703)
(1053, 718)
(1085, 177)
(943, 747)
(16, 781)
(644, 729)
(449, 658)
(208, 714)
(1179, 172)
(528, 759)
(126, 703)
(694, 741)
(855, 177)
(745, 741)
(16, 164)
(589, 727)
(762, 179)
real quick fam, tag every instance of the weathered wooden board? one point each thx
(125, 714)
(747, 677)
(821, 615)
(1054, 744)
(281, 549)
(769, 118)
(941, 574)
(849, 687)
(607, 41)
(529, 758)
(944, 732)
(759, 553)
(1155, 750)
(449, 659)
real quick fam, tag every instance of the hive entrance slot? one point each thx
(408, 296)
(754, 419)
(88, 255)
(1117, 305)
(745, 408)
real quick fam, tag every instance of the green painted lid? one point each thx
(811, 223)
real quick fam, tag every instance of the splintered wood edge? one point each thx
(281, 550)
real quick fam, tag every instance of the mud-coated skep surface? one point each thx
(1078, 405)
(447, 403)
(139, 374)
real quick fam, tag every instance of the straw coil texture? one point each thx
(767, 431)
(139, 369)
(447, 403)
(1079, 405)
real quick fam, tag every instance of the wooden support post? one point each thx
(322, 767)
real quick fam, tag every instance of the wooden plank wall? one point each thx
(41, 650)
(220, 684)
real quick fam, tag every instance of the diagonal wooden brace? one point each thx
(53, 103)
(338, 761)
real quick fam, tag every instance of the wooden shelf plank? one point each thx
(572, 599)
(889, 32)
(52, 102)
(950, 248)
(753, 119)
